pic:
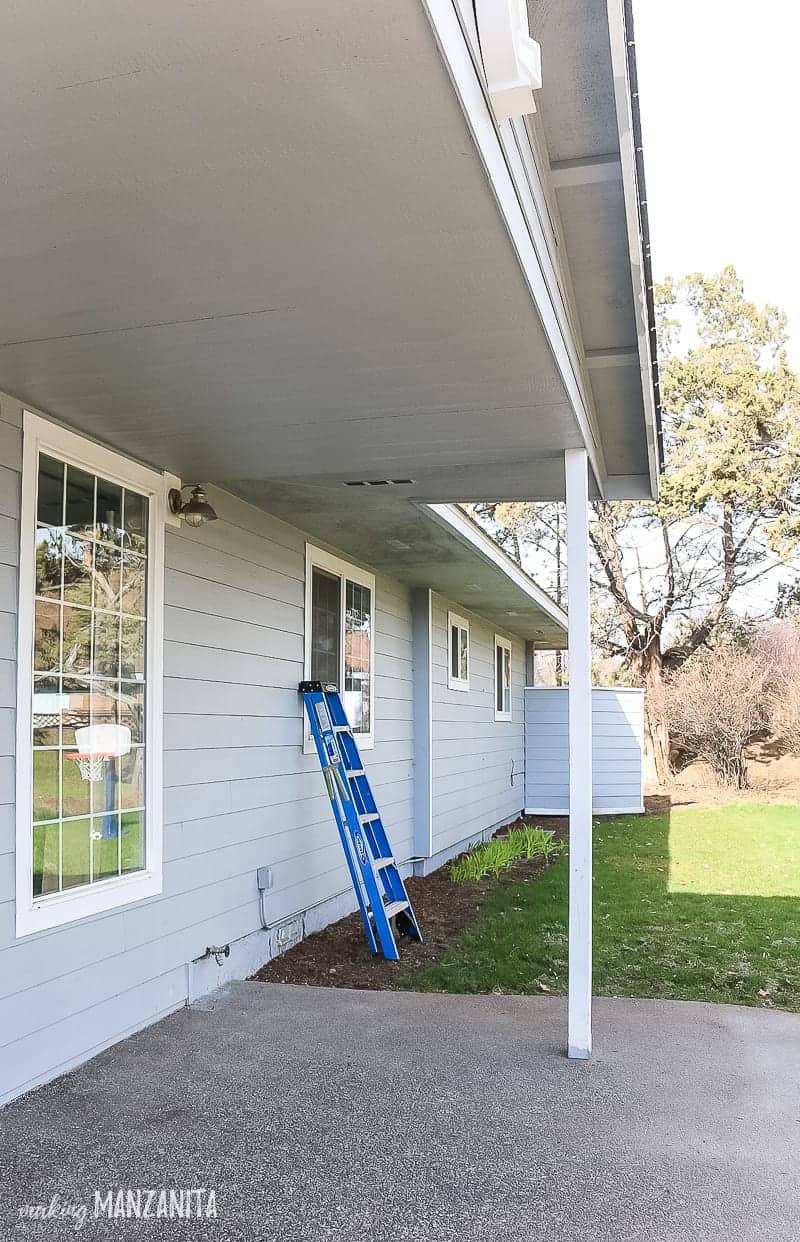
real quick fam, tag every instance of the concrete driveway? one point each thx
(316, 1113)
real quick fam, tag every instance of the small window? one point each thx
(340, 608)
(502, 678)
(458, 670)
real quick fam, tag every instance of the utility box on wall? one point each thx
(617, 751)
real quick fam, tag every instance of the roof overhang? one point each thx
(430, 546)
(292, 244)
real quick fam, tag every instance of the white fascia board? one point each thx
(509, 176)
(622, 96)
(456, 521)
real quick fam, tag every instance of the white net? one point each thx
(91, 767)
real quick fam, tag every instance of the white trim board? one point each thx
(462, 526)
(560, 812)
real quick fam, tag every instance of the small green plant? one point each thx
(497, 855)
(530, 842)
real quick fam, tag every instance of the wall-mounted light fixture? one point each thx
(194, 511)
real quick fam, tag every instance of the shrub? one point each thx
(779, 644)
(718, 703)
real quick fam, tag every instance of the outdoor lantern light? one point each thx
(194, 511)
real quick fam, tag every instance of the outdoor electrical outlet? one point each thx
(264, 878)
(289, 934)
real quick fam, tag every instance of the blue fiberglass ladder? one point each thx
(382, 897)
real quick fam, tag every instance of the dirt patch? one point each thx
(772, 778)
(338, 956)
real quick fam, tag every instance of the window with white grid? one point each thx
(88, 593)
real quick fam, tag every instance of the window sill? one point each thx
(60, 908)
(503, 716)
(453, 684)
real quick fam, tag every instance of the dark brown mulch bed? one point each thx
(339, 956)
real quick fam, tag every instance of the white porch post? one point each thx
(579, 1042)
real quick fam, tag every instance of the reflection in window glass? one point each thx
(341, 641)
(357, 655)
(49, 545)
(46, 860)
(79, 567)
(50, 494)
(47, 636)
(459, 650)
(76, 843)
(326, 621)
(135, 522)
(89, 743)
(502, 677)
(79, 509)
(133, 583)
(76, 655)
(47, 717)
(108, 522)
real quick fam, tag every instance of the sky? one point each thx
(719, 82)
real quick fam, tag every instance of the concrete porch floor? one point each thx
(321, 1113)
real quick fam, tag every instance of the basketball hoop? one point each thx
(91, 767)
(99, 743)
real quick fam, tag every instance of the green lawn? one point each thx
(696, 905)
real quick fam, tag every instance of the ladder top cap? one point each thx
(316, 687)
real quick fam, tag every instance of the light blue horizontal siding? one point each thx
(473, 753)
(238, 791)
(617, 741)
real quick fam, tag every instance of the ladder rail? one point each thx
(380, 889)
(355, 876)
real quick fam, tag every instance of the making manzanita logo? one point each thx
(128, 1203)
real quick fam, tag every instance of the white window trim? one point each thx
(503, 644)
(316, 558)
(457, 683)
(38, 914)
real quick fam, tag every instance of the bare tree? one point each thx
(668, 577)
(779, 644)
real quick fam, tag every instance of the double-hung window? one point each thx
(89, 679)
(339, 636)
(502, 678)
(457, 652)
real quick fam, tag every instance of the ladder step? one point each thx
(394, 907)
(376, 876)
